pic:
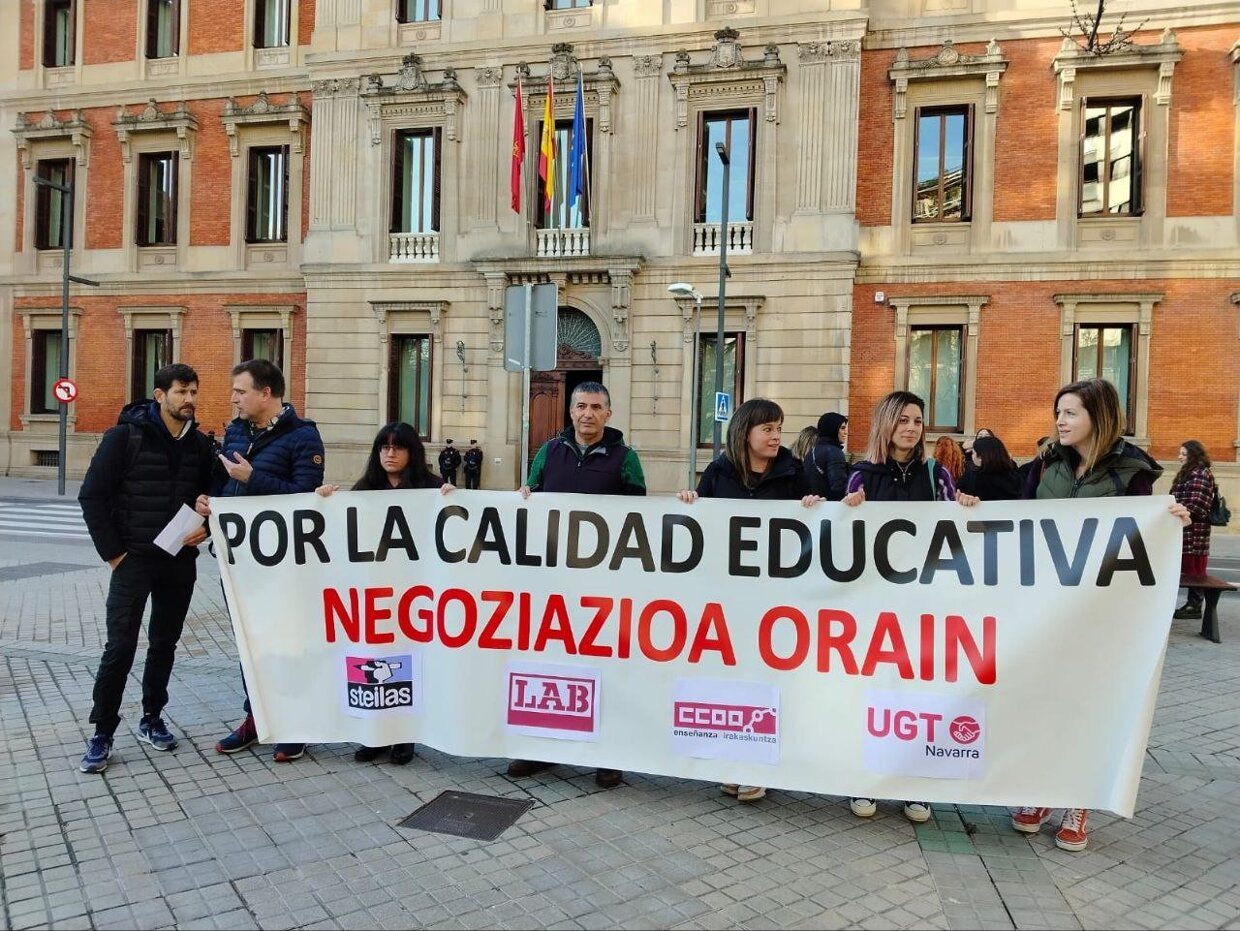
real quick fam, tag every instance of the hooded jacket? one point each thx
(138, 479)
(1123, 470)
(784, 480)
(607, 467)
(891, 481)
(826, 466)
(287, 457)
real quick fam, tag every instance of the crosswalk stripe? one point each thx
(4, 522)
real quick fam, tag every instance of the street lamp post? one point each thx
(66, 233)
(723, 279)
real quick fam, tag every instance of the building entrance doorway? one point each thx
(577, 361)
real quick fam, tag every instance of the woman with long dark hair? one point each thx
(1195, 488)
(994, 476)
(1089, 459)
(754, 465)
(397, 461)
(827, 465)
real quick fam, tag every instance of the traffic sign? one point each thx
(723, 406)
(65, 391)
(544, 327)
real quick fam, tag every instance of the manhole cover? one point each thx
(464, 814)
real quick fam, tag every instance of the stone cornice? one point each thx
(74, 128)
(263, 112)
(938, 300)
(600, 85)
(411, 96)
(1162, 56)
(151, 120)
(944, 64)
(1093, 297)
(728, 74)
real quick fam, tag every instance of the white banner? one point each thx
(1007, 654)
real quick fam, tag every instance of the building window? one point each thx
(58, 38)
(1111, 157)
(44, 371)
(566, 4)
(152, 350)
(49, 228)
(935, 373)
(410, 382)
(1106, 352)
(263, 344)
(271, 23)
(415, 181)
(267, 195)
(157, 199)
(163, 28)
(733, 380)
(418, 11)
(943, 159)
(565, 215)
(735, 129)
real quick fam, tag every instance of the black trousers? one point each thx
(449, 476)
(169, 585)
(472, 478)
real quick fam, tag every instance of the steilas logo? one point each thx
(561, 703)
(379, 683)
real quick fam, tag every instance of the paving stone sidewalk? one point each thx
(194, 839)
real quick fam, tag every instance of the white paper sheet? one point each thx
(183, 523)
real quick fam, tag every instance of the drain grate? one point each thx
(464, 814)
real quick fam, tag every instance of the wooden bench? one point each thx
(1211, 588)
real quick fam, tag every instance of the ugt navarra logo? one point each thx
(379, 683)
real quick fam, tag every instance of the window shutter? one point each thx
(398, 179)
(437, 139)
(71, 32)
(42, 207)
(753, 168)
(1080, 158)
(966, 183)
(174, 40)
(170, 200)
(144, 200)
(38, 370)
(1138, 164)
(251, 194)
(394, 377)
(284, 190)
(49, 38)
(699, 183)
(260, 40)
(152, 28)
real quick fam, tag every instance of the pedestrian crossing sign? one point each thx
(723, 407)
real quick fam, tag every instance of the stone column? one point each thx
(486, 159)
(648, 70)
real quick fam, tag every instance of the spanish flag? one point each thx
(546, 149)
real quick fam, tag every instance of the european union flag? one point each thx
(577, 168)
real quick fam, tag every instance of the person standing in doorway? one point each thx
(473, 465)
(268, 450)
(587, 458)
(153, 462)
(449, 462)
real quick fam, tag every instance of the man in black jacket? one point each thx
(449, 462)
(473, 465)
(146, 468)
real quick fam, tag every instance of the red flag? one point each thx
(518, 148)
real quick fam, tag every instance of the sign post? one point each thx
(531, 339)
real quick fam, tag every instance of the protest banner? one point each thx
(1007, 654)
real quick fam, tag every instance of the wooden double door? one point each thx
(550, 393)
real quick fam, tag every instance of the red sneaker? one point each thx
(1071, 834)
(1030, 820)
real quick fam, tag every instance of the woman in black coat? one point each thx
(826, 466)
(754, 465)
(994, 476)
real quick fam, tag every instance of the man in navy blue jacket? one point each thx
(268, 450)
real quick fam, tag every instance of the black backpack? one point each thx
(1220, 515)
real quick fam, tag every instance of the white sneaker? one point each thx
(863, 807)
(917, 812)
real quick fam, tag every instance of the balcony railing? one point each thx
(558, 243)
(707, 237)
(414, 247)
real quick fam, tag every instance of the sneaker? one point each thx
(607, 778)
(1030, 820)
(153, 730)
(521, 768)
(917, 812)
(1071, 834)
(750, 793)
(368, 754)
(98, 752)
(402, 754)
(863, 807)
(730, 788)
(1187, 612)
(286, 753)
(244, 736)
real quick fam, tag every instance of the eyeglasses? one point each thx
(391, 449)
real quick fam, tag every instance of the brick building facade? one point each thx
(950, 198)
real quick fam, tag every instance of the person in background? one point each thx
(994, 476)
(1195, 488)
(827, 465)
(805, 442)
(895, 468)
(1044, 443)
(449, 462)
(948, 454)
(754, 466)
(473, 465)
(968, 445)
(1089, 459)
(397, 461)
